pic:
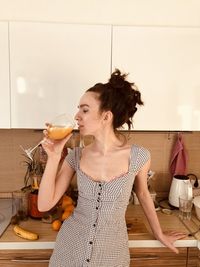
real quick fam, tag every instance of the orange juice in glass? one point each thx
(60, 127)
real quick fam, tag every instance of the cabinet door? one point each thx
(165, 65)
(193, 257)
(4, 77)
(25, 258)
(160, 257)
(51, 67)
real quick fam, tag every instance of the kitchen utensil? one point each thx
(180, 185)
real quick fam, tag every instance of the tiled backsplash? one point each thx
(160, 144)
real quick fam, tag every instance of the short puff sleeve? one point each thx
(71, 159)
(140, 156)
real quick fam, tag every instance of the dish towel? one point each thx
(179, 158)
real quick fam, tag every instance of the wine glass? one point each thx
(60, 127)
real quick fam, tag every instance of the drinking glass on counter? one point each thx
(20, 203)
(185, 207)
(60, 127)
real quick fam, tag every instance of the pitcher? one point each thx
(180, 185)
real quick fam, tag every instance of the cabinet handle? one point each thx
(145, 257)
(26, 260)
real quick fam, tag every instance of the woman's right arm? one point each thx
(54, 182)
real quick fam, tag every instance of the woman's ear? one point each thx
(108, 116)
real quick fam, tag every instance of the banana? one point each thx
(19, 231)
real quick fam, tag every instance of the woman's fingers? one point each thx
(180, 235)
(170, 237)
(169, 243)
(45, 132)
(48, 141)
(175, 234)
(174, 249)
(54, 146)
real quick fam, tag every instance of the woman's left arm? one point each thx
(144, 197)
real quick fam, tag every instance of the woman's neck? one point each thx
(106, 142)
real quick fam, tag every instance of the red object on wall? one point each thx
(179, 158)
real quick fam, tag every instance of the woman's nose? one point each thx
(76, 117)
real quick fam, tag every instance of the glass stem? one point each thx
(32, 149)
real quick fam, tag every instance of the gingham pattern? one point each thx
(95, 235)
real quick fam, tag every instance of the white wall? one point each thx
(123, 12)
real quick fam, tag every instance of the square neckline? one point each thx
(117, 177)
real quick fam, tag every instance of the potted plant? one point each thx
(34, 171)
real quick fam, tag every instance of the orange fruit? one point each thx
(56, 225)
(69, 207)
(65, 215)
(66, 201)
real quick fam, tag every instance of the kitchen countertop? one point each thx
(139, 235)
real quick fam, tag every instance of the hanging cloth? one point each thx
(179, 158)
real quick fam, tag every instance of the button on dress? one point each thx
(95, 235)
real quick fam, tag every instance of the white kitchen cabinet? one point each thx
(165, 64)
(51, 65)
(4, 77)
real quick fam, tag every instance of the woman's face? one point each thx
(89, 118)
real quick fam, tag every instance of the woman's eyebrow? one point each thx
(83, 105)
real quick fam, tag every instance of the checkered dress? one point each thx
(95, 235)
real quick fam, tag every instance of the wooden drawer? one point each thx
(193, 257)
(25, 258)
(160, 257)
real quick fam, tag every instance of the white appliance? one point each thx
(5, 213)
(180, 185)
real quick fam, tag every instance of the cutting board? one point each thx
(136, 226)
(5, 214)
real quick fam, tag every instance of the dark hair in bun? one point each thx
(120, 97)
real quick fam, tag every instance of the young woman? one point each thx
(95, 234)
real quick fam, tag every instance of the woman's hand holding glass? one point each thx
(59, 129)
(53, 147)
(56, 135)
